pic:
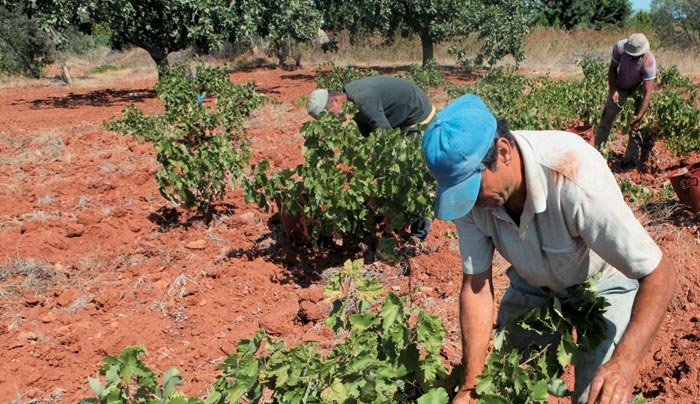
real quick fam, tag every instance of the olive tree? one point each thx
(53, 17)
(500, 24)
(164, 26)
(677, 22)
(569, 14)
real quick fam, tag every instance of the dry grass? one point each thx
(559, 52)
(19, 275)
(548, 51)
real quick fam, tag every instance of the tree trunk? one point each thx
(65, 70)
(159, 56)
(426, 42)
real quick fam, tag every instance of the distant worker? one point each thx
(383, 102)
(632, 67)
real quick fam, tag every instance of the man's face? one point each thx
(499, 184)
(493, 192)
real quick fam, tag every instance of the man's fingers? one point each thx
(595, 390)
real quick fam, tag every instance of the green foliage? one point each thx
(103, 68)
(336, 78)
(384, 351)
(56, 18)
(529, 375)
(500, 24)
(500, 27)
(644, 195)
(540, 103)
(387, 352)
(677, 23)
(570, 14)
(129, 380)
(349, 184)
(164, 26)
(286, 23)
(640, 21)
(158, 26)
(543, 103)
(199, 146)
(79, 42)
(427, 76)
(24, 47)
(671, 115)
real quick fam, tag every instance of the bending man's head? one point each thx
(322, 100)
(636, 45)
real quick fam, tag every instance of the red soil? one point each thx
(122, 267)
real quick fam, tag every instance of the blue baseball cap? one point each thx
(454, 145)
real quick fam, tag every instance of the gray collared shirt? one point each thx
(575, 222)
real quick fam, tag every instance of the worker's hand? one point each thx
(635, 121)
(616, 97)
(465, 396)
(612, 384)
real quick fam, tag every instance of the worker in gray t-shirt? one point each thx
(383, 102)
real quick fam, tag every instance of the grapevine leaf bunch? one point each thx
(349, 187)
(198, 139)
(516, 374)
(385, 352)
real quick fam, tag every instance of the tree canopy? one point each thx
(570, 14)
(677, 22)
(501, 24)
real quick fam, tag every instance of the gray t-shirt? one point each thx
(575, 223)
(387, 102)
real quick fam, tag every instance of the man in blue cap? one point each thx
(537, 197)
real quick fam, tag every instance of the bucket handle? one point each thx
(689, 182)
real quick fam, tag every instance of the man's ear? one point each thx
(505, 150)
(335, 102)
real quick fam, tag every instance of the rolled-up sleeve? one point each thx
(475, 248)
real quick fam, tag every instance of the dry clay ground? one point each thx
(93, 258)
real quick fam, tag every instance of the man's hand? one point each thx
(616, 97)
(635, 121)
(612, 384)
(465, 396)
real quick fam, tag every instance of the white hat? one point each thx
(317, 102)
(636, 45)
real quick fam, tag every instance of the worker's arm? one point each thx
(614, 381)
(612, 81)
(476, 322)
(647, 88)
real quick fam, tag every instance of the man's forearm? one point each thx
(653, 297)
(612, 79)
(476, 321)
(648, 88)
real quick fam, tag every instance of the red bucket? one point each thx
(686, 182)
